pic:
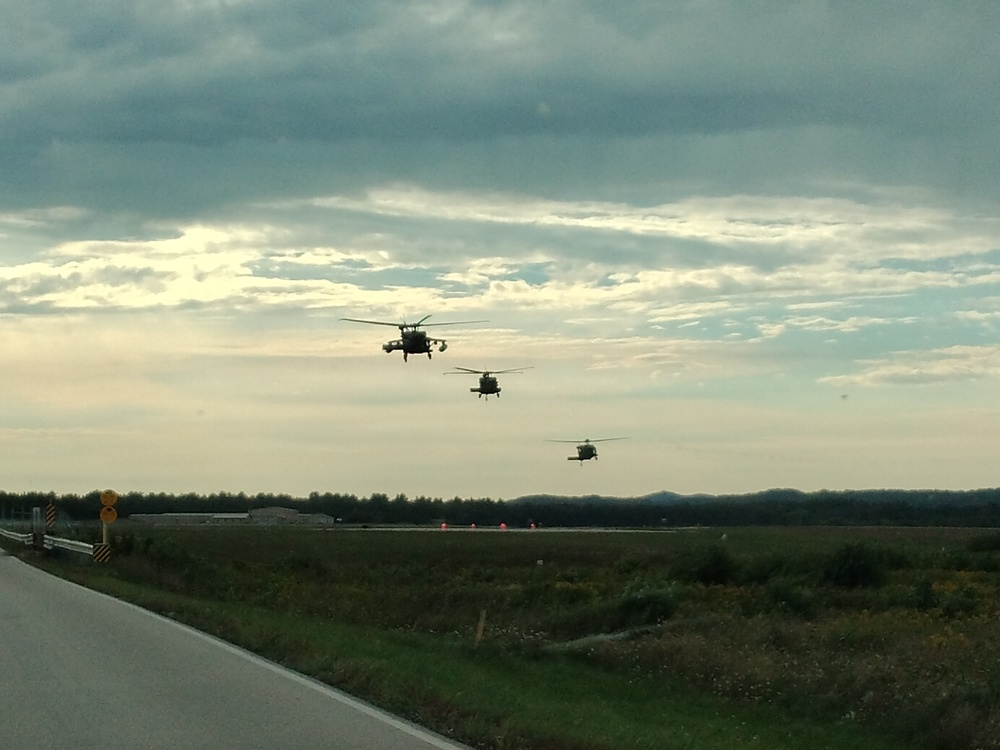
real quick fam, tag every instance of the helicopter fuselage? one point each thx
(414, 342)
(584, 452)
(487, 385)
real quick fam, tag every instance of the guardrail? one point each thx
(52, 542)
(26, 538)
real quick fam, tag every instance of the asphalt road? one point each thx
(82, 670)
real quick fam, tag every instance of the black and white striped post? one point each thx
(102, 551)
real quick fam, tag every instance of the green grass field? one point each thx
(765, 638)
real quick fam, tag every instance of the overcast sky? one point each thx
(759, 239)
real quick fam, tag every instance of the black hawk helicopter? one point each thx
(487, 379)
(586, 450)
(411, 339)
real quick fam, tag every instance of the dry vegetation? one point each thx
(895, 630)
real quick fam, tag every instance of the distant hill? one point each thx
(771, 507)
(784, 495)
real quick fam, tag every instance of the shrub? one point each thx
(854, 566)
(984, 543)
(713, 565)
(647, 606)
(633, 609)
(924, 596)
(761, 569)
(166, 550)
(785, 596)
(962, 602)
(123, 544)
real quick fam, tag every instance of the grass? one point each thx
(844, 638)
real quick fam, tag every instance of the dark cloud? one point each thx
(214, 73)
(180, 108)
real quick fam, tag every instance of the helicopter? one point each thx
(586, 450)
(411, 339)
(487, 379)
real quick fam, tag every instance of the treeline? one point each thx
(777, 507)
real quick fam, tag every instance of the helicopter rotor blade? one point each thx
(373, 322)
(515, 370)
(419, 324)
(451, 323)
(588, 440)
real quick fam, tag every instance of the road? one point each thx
(82, 670)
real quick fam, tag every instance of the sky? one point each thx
(758, 239)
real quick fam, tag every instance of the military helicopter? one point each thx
(411, 339)
(487, 379)
(586, 450)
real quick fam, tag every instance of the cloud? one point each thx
(652, 204)
(951, 364)
(760, 259)
(479, 70)
(206, 95)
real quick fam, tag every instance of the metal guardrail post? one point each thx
(37, 529)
